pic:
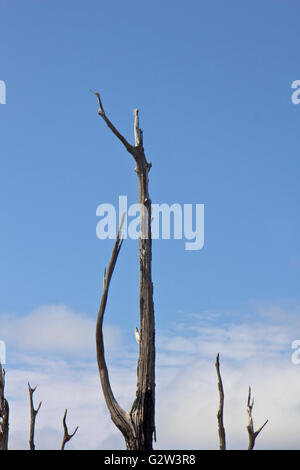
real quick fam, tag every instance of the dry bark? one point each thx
(250, 428)
(4, 413)
(137, 425)
(33, 413)
(221, 429)
(67, 436)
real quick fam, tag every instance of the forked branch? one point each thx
(221, 429)
(250, 428)
(67, 437)
(33, 413)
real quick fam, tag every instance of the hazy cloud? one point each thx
(256, 353)
(56, 329)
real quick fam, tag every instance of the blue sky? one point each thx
(212, 81)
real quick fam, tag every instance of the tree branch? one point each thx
(138, 134)
(221, 429)
(4, 412)
(101, 113)
(120, 417)
(67, 437)
(250, 428)
(33, 414)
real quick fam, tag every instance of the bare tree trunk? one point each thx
(221, 429)
(250, 428)
(4, 413)
(33, 414)
(137, 426)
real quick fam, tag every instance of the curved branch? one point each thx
(33, 414)
(67, 437)
(221, 428)
(120, 417)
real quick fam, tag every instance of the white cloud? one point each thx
(256, 353)
(78, 391)
(187, 405)
(56, 329)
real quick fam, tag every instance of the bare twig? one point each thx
(221, 429)
(67, 436)
(33, 413)
(4, 412)
(250, 428)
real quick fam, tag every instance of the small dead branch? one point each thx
(101, 113)
(221, 429)
(250, 428)
(4, 412)
(67, 436)
(33, 413)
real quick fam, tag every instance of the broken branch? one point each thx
(250, 428)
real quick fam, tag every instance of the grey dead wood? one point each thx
(250, 427)
(137, 425)
(66, 437)
(33, 413)
(4, 412)
(221, 429)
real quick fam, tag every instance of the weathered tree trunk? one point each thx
(33, 413)
(250, 428)
(137, 426)
(4, 413)
(221, 429)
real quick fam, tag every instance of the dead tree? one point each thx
(67, 436)
(221, 429)
(250, 428)
(137, 425)
(4, 412)
(33, 413)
